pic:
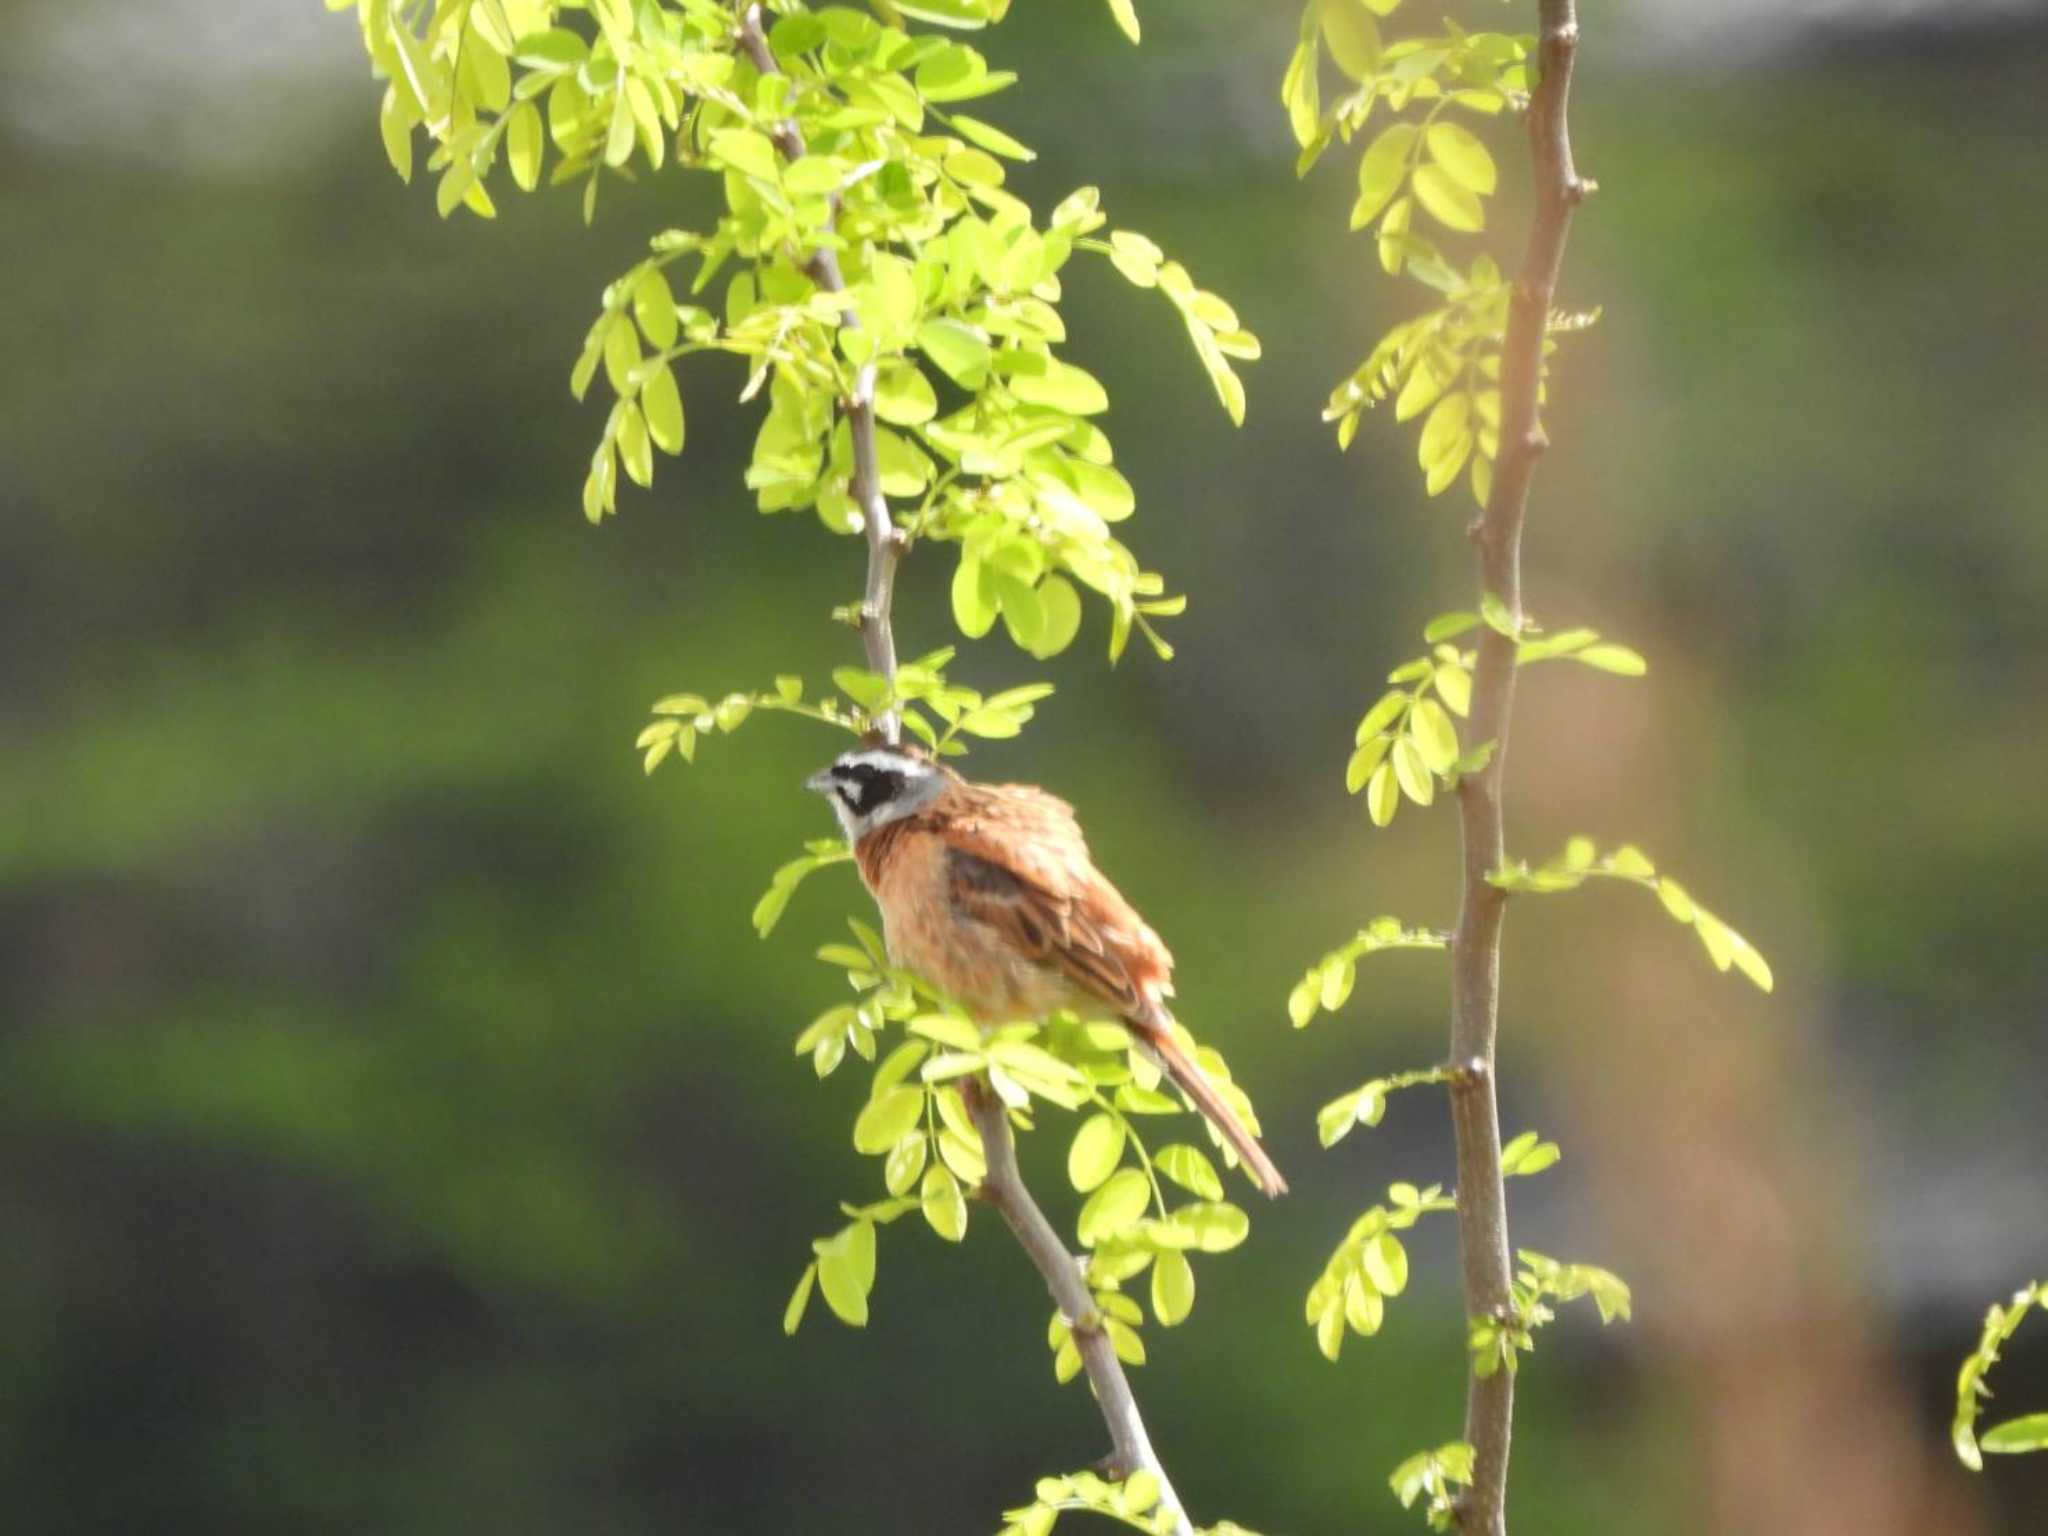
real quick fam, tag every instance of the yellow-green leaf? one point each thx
(944, 1207)
(886, 1120)
(1097, 1148)
(1459, 151)
(1173, 1288)
(1381, 171)
(663, 408)
(1120, 1201)
(1449, 201)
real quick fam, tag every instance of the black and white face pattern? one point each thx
(873, 787)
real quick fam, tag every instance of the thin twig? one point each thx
(1475, 947)
(1005, 1189)
(885, 540)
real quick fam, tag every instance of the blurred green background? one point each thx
(398, 1127)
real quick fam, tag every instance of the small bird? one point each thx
(988, 893)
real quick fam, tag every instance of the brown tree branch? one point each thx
(886, 541)
(1475, 947)
(1005, 1189)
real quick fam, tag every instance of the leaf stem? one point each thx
(885, 540)
(1005, 1189)
(1475, 947)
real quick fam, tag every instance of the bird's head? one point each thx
(876, 785)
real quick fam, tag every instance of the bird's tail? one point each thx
(1156, 1036)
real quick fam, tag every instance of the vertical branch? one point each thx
(1475, 948)
(885, 540)
(1004, 1188)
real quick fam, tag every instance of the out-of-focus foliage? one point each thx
(395, 1107)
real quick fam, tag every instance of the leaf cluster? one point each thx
(1426, 160)
(1497, 1342)
(1581, 861)
(1369, 1266)
(916, 1121)
(1134, 1501)
(1434, 1476)
(2029, 1432)
(869, 253)
(1407, 744)
(1327, 984)
(933, 708)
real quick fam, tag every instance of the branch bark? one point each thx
(886, 542)
(1475, 947)
(1005, 1189)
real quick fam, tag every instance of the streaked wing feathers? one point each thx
(1020, 864)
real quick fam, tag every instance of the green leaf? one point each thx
(1454, 685)
(748, 152)
(1412, 772)
(1448, 201)
(846, 1272)
(1136, 257)
(943, 1204)
(887, 1119)
(523, 140)
(948, 1030)
(1434, 735)
(1353, 39)
(662, 407)
(1381, 715)
(621, 354)
(1382, 170)
(1190, 1168)
(959, 352)
(1063, 387)
(1382, 795)
(1386, 1263)
(906, 1162)
(1447, 422)
(1097, 1148)
(1359, 770)
(1618, 659)
(1118, 1203)
(903, 395)
(2027, 1433)
(974, 597)
(1217, 1225)
(1173, 1289)
(654, 307)
(635, 451)
(793, 1314)
(1336, 1118)
(1059, 616)
(992, 139)
(1459, 151)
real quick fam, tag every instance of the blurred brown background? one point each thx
(398, 1130)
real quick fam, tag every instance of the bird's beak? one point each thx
(820, 783)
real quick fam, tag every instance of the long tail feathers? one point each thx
(1176, 1064)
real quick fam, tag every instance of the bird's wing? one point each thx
(1018, 863)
